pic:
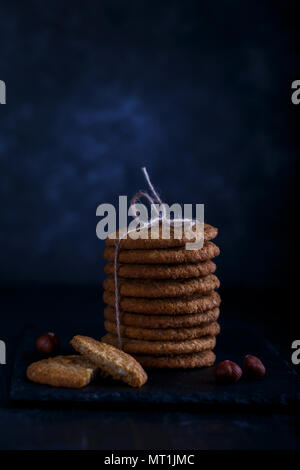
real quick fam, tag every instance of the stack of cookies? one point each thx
(168, 302)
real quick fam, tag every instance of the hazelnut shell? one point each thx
(47, 343)
(253, 367)
(227, 372)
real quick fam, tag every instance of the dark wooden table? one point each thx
(146, 427)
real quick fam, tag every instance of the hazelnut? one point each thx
(227, 372)
(48, 343)
(253, 367)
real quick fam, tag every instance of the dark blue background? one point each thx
(199, 92)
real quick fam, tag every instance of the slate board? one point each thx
(280, 387)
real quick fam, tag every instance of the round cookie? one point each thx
(110, 360)
(167, 306)
(167, 334)
(163, 288)
(162, 347)
(162, 321)
(151, 238)
(163, 271)
(62, 371)
(166, 256)
(184, 361)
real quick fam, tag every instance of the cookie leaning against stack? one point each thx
(168, 302)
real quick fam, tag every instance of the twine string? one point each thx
(153, 191)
